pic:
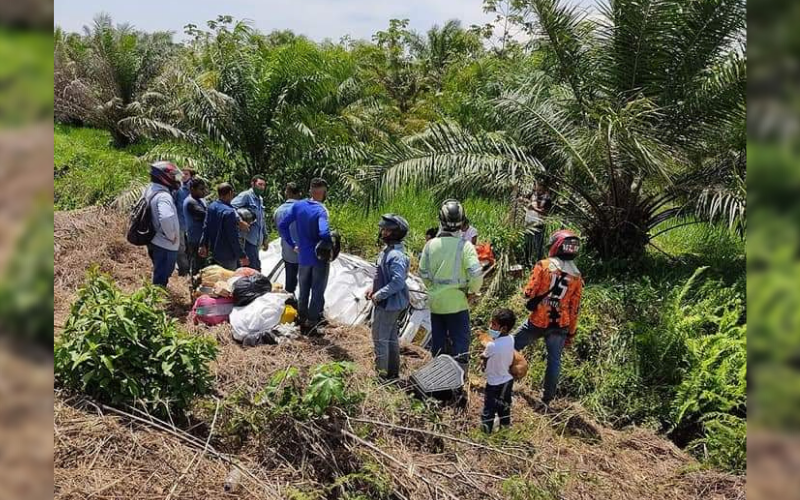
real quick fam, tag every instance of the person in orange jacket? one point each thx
(554, 300)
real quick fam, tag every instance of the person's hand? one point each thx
(368, 295)
(296, 249)
(202, 252)
(244, 226)
(244, 261)
(568, 342)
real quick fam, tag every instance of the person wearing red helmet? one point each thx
(165, 179)
(554, 297)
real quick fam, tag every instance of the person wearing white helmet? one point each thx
(389, 292)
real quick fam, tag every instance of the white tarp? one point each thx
(348, 281)
(261, 315)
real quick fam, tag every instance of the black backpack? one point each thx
(141, 230)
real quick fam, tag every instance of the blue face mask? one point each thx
(494, 333)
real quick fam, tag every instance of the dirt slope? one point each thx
(562, 454)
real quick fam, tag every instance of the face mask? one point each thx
(259, 191)
(493, 333)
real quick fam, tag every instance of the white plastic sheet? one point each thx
(348, 281)
(261, 315)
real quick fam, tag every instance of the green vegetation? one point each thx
(635, 120)
(123, 349)
(89, 172)
(25, 77)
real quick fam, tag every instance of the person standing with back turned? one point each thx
(311, 218)
(253, 200)
(288, 254)
(450, 269)
(165, 179)
(221, 232)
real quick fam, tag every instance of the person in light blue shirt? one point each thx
(390, 294)
(289, 256)
(253, 200)
(311, 218)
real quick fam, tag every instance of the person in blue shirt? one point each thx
(221, 232)
(180, 196)
(289, 256)
(253, 200)
(389, 292)
(194, 213)
(311, 219)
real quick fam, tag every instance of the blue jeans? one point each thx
(163, 263)
(454, 328)
(497, 401)
(554, 339)
(252, 254)
(385, 342)
(291, 269)
(311, 303)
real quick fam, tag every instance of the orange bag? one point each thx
(485, 254)
(519, 366)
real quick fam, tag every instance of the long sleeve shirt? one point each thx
(287, 251)
(562, 283)
(165, 217)
(194, 213)
(389, 287)
(311, 218)
(180, 196)
(253, 202)
(450, 269)
(221, 232)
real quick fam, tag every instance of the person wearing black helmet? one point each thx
(165, 179)
(389, 293)
(450, 269)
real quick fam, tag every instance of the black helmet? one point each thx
(451, 215)
(327, 251)
(166, 174)
(397, 224)
(245, 215)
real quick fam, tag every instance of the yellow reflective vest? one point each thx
(450, 268)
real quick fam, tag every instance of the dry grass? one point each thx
(424, 451)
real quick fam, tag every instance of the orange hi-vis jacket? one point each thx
(562, 283)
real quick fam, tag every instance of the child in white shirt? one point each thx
(498, 356)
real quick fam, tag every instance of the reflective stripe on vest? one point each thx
(456, 279)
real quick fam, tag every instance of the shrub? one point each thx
(123, 349)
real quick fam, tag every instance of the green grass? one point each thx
(26, 76)
(88, 171)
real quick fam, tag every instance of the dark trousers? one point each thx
(450, 335)
(385, 342)
(230, 265)
(163, 263)
(313, 282)
(497, 401)
(554, 340)
(196, 263)
(183, 256)
(534, 240)
(252, 252)
(292, 270)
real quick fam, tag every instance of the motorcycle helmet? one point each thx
(245, 215)
(166, 174)
(451, 215)
(397, 224)
(564, 244)
(327, 251)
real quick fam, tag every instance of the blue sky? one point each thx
(317, 19)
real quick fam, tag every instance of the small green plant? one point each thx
(123, 349)
(548, 488)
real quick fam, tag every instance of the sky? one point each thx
(317, 19)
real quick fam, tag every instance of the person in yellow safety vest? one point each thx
(451, 271)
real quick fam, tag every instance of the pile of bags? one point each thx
(245, 299)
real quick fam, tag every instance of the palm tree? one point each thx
(106, 80)
(443, 46)
(625, 106)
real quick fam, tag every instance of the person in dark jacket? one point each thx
(311, 217)
(194, 213)
(180, 197)
(389, 292)
(221, 232)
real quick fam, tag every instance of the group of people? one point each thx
(451, 271)
(230, 231)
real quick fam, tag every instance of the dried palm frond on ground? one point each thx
(391, 446)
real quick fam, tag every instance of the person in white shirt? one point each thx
(468, 232)
(497, 357)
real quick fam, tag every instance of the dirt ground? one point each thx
(428, 454)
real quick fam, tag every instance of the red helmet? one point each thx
(564, 244)
(166, 174)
